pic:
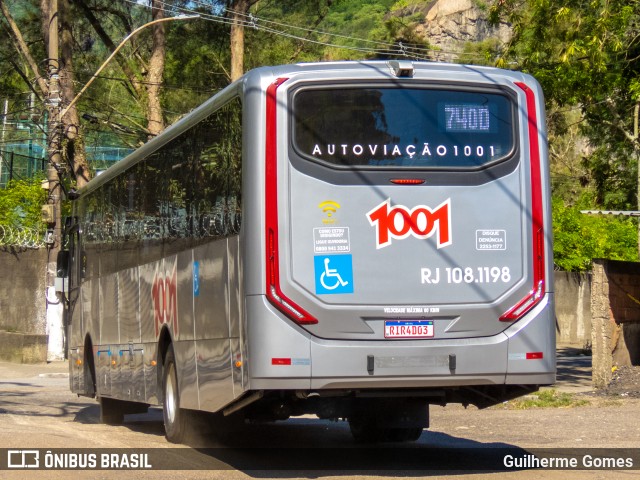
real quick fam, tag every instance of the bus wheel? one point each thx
(111, 412)
(175, 418)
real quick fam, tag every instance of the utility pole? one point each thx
(636, 154)
(4, 127)
(51, 211)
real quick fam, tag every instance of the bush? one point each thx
(21, 203)
(578, 238)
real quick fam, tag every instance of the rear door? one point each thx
(405, 207)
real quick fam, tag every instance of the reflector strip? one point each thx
(537, 220)
(280, 361)
(274, 294)
(535, 355)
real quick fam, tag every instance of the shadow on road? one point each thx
(301, 446)
(573, 370)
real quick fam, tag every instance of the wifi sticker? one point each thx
(329, 208)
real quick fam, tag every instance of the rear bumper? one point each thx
(285, 356)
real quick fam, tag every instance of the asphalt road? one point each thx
(37, 411)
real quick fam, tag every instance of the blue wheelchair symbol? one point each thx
(333, 274)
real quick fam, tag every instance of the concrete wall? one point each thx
(23, 348)
(22, 290)
(573, 308)
(615, 311)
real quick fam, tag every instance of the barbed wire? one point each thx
(21, 237)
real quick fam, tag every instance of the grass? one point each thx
(550, 398)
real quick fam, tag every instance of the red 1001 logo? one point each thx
(401, 222)
(164, 293)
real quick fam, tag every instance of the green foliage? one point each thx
(27, 13)
(196, 65)
(332, 30)
(550, 398)
(585, 54)
(578, 238)
(20, 204)
(480, 53)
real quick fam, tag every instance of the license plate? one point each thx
(408, 329)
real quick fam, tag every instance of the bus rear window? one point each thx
(402, 127)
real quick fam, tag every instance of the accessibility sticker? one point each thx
(333, 274)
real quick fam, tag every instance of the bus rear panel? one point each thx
(406, 242)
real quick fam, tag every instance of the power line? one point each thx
(408, 50)
(253, 20)
(394, 48)
(158, 84)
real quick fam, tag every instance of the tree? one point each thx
(73, 151)
(587, 54)
(155, 119)
(239, 10)
(144, 77)
(73, 146)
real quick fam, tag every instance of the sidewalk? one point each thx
(27, 370)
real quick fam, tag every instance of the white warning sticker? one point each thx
(491, 239)
(331, 240)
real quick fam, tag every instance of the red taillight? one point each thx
(524, 305)
(535, 356)
(274, 294)
(537, 225)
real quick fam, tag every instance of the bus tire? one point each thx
(111, 412)
(175, 418)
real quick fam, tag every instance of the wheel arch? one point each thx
(164, 342)
(89, 367)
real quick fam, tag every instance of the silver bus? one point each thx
(354, 240)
